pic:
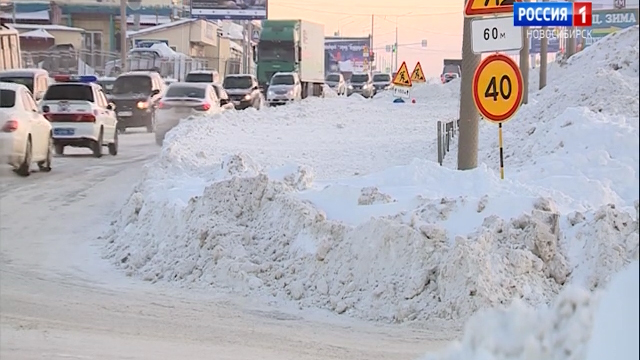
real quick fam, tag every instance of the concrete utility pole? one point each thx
(524, 64)
(395, 68)
(469, 116)
(544, 49)
(371, 42)
(123, 35)
(571, 42)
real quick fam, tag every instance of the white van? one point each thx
(36, 80)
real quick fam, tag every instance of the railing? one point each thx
(74, 61)
(447, 130)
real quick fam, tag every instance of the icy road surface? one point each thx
(60, 300)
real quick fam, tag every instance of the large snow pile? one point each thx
(222, 206)
(579, 325)
(582, 127)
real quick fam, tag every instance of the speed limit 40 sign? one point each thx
(497, 88)
(495, 34)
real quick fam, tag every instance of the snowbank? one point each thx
(250, 230)
(580, 128)
(264, 203)
(579, 325)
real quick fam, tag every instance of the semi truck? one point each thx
(292, 46)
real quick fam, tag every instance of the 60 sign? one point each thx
(493, 33)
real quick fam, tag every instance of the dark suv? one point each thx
(136, 95)
(243, 91)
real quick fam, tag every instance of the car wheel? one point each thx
(24, 168)
(113, 147)
(59, 149)
(96, 147)
(45, 166)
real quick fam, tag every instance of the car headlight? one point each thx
(290, 92)
(142, 104)
(270, 93)
(247, 97)
(350, 87)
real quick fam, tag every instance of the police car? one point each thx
(80, 115)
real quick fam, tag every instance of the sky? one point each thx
(438, 22)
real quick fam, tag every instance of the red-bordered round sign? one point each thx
(497, 88)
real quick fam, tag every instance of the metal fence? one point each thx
(72, 61)
(85, 62)
(447, 130)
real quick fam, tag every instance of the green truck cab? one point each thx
(292, 46)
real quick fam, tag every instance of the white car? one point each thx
(284, 88)
(182, 100)
(80, 115)
(26, 134)
(337, 83)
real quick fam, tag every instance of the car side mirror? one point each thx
(111, 106)
(155, 92)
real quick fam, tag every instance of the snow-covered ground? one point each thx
(271, 234)
(59, 300)
(337, 204)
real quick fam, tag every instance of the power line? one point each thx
(363, 14)
(421, 30)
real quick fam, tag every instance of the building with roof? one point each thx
(101, 18)
(196, 38)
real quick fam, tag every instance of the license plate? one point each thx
(64, 132)
(125, 113)
(236, 103)
(183, 110)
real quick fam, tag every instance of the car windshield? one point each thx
(451, 69)
(132, 84)
(185, 92)
(81, 92)
(359, 78)
(382, 77)
(107, 85)
(199, 78)
(333, 77)
(7, 98)
(237, 82)
(24, 80)
(282, 80)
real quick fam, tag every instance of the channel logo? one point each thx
(552, 14)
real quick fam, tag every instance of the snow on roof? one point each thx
(33, 15)
(38, 33)
(45, 27)
(152, 29)
(232, 31)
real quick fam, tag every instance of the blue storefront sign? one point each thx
(229, 9)
(606, 22)
(346, 54)
(553, 45)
